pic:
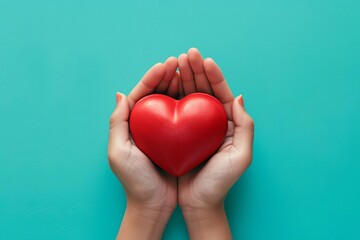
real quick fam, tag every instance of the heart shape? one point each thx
(178, 135)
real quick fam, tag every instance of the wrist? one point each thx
(207, 222)
(143, 221)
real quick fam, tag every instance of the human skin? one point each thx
(152, 194)
(201, 193)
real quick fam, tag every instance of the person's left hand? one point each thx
(202, 191)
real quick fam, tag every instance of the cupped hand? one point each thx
(146, 185)
(206, 187)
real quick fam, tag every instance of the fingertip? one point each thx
(210, 66)
(171, 59)
(194, 54)
(171, 62)
(238, 104)
(118, 97)
(240, 115)
(158, 64)
(209, 60)
(240, 100)
(183, 61)
(160, 69)
(120, 108)
(237, 107)
(182, 55)
(193, 50)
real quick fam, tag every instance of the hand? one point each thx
(151, 193)
(201, 193)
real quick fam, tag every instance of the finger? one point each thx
(197, 66)
(147, 84)
(244, 131)
(173, 89)
(171, 65)
(181, 87)
(119, 127)
(186, 74)
(218, 84)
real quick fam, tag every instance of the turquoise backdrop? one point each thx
(297, 63)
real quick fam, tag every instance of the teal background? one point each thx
(297, 63)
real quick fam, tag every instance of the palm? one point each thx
(152, 185)
(208, 186)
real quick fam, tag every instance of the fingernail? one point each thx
(118, 97)
(241, 100)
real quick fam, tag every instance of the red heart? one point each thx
(178, 135)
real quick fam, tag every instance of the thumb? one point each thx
(244, 129)
(119, 126)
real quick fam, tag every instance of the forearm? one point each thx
(207, 223)
(143, 223)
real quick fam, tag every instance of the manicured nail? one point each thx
(241, 100)
(118, 97)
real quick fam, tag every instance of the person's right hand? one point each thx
(151, 193)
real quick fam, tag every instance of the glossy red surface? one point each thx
(178, 135)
